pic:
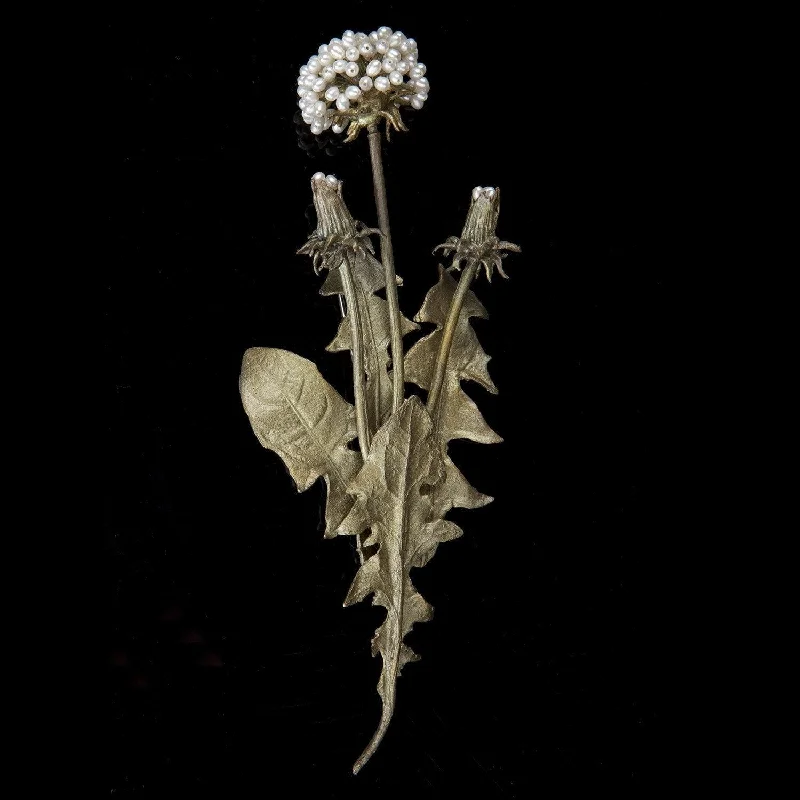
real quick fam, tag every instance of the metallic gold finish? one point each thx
(374, 107)
(393, 495)
(298, 414)
(394, 500)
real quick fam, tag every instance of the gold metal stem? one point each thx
(387, 257)
(358, 357)
(467, 276)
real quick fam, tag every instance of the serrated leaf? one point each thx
(368, 278)
(296, 413)
(457, 417)
(394, 499)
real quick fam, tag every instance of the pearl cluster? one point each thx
(347, 69)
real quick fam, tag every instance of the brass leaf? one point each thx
(394, 499)
(369, 277)
(457, 416)
(296, 413)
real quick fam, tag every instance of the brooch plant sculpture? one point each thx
(392, 494)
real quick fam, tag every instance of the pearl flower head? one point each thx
(337, 235)
(358, 79)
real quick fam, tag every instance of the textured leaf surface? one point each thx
(369, 277)
(296, 413)
(394, 500)
(457, 415)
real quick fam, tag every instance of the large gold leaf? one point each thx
(394, 499)
(296, 413)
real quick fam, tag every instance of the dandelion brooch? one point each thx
(393, 493)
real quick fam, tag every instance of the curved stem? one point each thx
(387, 258)
(358, 357)
(467, 276)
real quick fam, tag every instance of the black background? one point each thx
(231, 665)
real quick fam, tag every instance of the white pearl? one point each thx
(417, 103)
(366, 49)
(326, 59)
(422, 96)
(393, 53)
(348, 33)
(348, 39)
(374, 36)
(476, 192)
(421, 66)
(329, 73)
(360, 36)
(352, 92)
(313, 64)
(342, 103)
(308, 118)
(411, 58)
(304, 69)
(389, 64)
(395, 78)
(340, 65)
(318, 176)
(319, 108)
(336, 50)
(351, 54)
(316, 128)
(382, 84)
(327, 123)
(415, 73)
(402, 67)
(365, 83)
(384, 32)
(332, 93)
(412, 45)
(332, 180)
(319, 85)
(337, 128)
(489, 191)
(309, 80)
(381, 46)
(422, 84)
(404, 48)
(396, 38)
(374, 68)
(301, 91)
(322, 49)
(351, 70)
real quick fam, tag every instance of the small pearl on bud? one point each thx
(342, 103)
(416, 103)
(374, 68)
(352, 92)
(351, 70)
(366, 49)
(384, 32)
(382, 84)
(332, 180)
(332, 93)
(351, 54)
(318, 176)
(402, 67)
(337, 128)
(381, 46)
(337, 51)
(395, 78)
(476, 192)
(340, 65)
(328, 74)
(389, 64)
(365, 83)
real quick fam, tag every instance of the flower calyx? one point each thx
(337, 235)
(478, 243)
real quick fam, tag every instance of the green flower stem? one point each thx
(467, 276)
(387, 258)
